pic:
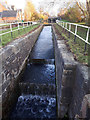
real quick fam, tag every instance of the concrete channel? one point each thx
(37, 84)
(42, 80)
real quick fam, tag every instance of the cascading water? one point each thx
(37, 85)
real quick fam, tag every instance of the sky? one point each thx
(47, 4)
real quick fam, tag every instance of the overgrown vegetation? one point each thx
(5, 39)
(76, 11)
(73, 14)
(77, 47)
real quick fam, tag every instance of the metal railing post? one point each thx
(11, 31)
(66, 27)
(18, 28)
(63, 26)
(87, 35)
(75, 33)
(27, 24)
(86, 40)
(23, 27)
(69, 29)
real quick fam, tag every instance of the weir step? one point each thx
(37, 89)
(39, 73)
(41, 61)
(37, 84)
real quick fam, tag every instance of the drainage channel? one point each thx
(37, 85)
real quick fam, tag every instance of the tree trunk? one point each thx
(80, 7)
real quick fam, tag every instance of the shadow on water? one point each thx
(37, 85)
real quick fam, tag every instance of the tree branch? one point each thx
(80, 7)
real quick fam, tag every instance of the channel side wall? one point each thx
(14, 57)
(72, 81)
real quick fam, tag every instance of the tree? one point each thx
(30, 11)
(43, 15)
(35, 16)
(72, 14)
(86, 12)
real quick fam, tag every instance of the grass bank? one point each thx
(77, 47)
(7, 38)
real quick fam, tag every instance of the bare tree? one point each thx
(88, 11)
(85, 13)
(80, 7)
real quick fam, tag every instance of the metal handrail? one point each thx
(23, 23)
(64, 25)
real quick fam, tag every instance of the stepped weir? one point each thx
(37, 84)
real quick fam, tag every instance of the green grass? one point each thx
(5, 39)
(77, 47)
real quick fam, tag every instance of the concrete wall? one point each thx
(14, 57)
(81, 89)
(71, 79)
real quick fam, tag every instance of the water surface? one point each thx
(43, 48)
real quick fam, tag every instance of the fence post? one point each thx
(69, 29)
(75, 33)
(66, 27)
(23, 26)
(11, 31)
(18, 28)
(61, 23)
(27, 24)
(86, 40)
(63, 26)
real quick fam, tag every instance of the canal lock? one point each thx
(37, 84)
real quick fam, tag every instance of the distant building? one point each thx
(53, 19)
(9, 13)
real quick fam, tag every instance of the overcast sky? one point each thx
(47, 4)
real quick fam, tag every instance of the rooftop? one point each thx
(8, 13)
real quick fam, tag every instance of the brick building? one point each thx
(9, 13)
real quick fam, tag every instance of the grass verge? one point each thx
(77, 47)
(7, 38)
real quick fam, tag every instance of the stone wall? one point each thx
(71, 79)
(81, 88)
(14, 57)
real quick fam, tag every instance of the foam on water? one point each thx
(35, 106)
